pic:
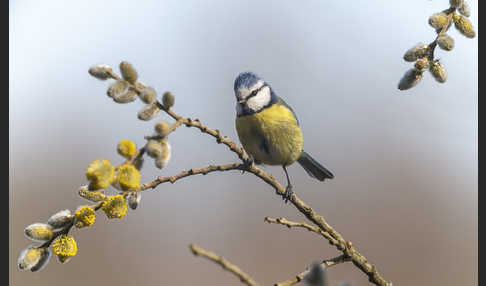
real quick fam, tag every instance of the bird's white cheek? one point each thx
(260, 100)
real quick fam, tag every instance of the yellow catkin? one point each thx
(463, 25)
(64, 245)
(126, 148)
(128, 177)
(100, 173)
(85, 216)
(115, 207)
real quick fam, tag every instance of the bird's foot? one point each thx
(288, 193)
(247, 163)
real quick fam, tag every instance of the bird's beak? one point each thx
(241, 101)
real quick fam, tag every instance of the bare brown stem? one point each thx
(244, 278)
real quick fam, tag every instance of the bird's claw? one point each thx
(288, 193)
(247, 163)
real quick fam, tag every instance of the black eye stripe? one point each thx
(255, 92)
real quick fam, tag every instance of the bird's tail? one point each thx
(313, 168)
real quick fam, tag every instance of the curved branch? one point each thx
(245, 278)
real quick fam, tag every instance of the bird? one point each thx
(269, 130)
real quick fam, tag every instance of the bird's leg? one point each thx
(288, 189)
(247, 163)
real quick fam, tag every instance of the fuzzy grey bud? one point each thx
(61, 219)
(30, 258)
(456, 3)
(126, 97)
(445, 42)
(45, 255)
(465, 10)
(162, 128)
(39, 232)
(438, 20)
(163, 160)
(410, 79)
(128, 72)
(148, 112)
(134, 200)
(101, 72)
(438, 71)
(416, 52)
(154, 148)
(148, 95)
(168, 99)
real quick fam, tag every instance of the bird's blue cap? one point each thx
(246, 79)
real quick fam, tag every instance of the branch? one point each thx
(290, 224)
(324, 264)
(197, 251)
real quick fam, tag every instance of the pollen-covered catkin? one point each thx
(126, 148)
(115, 207)
(100, 173)
(94, 196)
(65, 247)
(85, 216)
(463, 25)
(128, 177)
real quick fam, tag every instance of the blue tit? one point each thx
(269, 130)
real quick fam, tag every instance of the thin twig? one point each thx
(245, 278)
(290, 224)
(326, 263)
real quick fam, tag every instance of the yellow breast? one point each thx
(272, 136)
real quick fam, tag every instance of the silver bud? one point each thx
(39, 232)
(61, 219)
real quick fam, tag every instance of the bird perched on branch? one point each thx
(269, 130)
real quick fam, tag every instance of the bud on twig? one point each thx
(410, 79)
(438, 71)
(168, 99)
(445, 42)
(101, 72)
(418, 51)
(148, 112)
(128, 72)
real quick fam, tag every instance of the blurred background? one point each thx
(405, 162)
